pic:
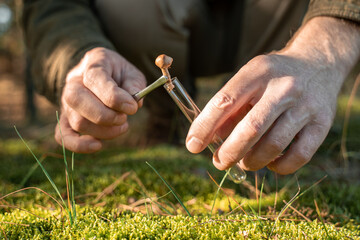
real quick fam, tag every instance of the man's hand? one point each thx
(286, 98)
(96, 100)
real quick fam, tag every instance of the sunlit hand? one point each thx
(286, 98)
(96, 100)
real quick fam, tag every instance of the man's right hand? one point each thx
(96, 100)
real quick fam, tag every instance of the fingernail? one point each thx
(95, 146)
(194, 145)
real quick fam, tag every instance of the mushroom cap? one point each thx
(163, 61)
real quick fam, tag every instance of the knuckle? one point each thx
(253, 127)
(101, 119)
(299, 113)
(104, 118)
(277, 144)
(223, 101)
(295, 88)
(324, 121)
(90, 75)
(77, 123)
(91, 52)
(301, 157)
(263, 62)
(289, 93)
(111, 97)
(292, 91)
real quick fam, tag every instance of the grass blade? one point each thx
(69, 177)
(68, 186)
(321, 219)
(73, 206)
(217, 192)
(261, 192)
(42, 168)
(170, 188)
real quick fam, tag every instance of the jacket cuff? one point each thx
(349, 10)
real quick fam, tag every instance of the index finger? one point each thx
(227, 101)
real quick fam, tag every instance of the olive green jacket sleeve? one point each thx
(345, 9)
(57, 35)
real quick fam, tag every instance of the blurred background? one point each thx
(36, 117)
(19, 104)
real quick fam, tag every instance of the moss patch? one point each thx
(119, 197)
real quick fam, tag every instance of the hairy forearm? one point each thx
(331, 42)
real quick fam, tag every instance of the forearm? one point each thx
(58, 33)
(328, 42)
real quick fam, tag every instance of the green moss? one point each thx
(99, 223)
(103, 210)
